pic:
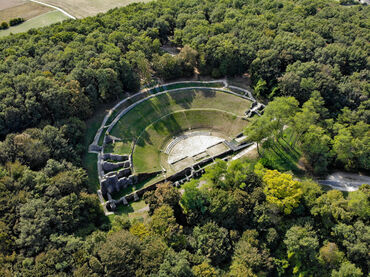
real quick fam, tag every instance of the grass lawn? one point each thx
(282, 156)
(134, 122)
(120, 148)
(147, 153)
(90, 164)
(36, 22)
(134, 211)
(161, 117)
(89, 160)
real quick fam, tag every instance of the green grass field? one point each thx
(147, 153)
(149, 111)
(36, 22)
(281, 155)
(155, 121)
(133, 211)
(90, 164)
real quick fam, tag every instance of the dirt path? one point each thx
(54, 7)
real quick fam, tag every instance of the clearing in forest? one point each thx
(152, 124)
(169, 132)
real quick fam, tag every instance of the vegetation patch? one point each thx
(149, 111)
(149, 147)
(153, 122)
(36, 22)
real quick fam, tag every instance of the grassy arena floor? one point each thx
(147, 153)
(161, 117)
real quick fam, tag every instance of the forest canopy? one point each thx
(308, 58)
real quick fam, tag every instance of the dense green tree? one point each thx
(282, 190)
(332, 207)
(248, 259)
(330, 256)
(164, 224)
(358, 203)
(355, 239)
(4, 25)
(152, 256)
(204, 270)
(347, 269)
(351, 145)
(175, 264)
(223, 208)
(119, 254)
(193, 202)
(302, 244)
(315, 145)
(213, 242)
(165, 194)
(36, 220)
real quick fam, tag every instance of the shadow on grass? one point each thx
(281, 156)
(118, 195)
(185, 101)
(208, 93)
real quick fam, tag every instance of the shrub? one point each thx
(16, 21)
(4, 26)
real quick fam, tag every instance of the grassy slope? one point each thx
(147, 152)
(149, 111)
(36, 22)
(282, 155)
(133, 124)
(89, 161)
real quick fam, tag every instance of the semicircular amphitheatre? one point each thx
(168, 133)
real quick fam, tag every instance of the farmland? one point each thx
(36, 22)
(84, 8)
(37, 15)
(26, 10)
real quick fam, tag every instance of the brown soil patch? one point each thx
(6, 4)
(26, 11)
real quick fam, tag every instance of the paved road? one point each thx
(345, 181)
(54, 7)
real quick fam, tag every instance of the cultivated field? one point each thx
(25, 10)
(37, 15)
(6, 4)
(36, 22)
(84, 8)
